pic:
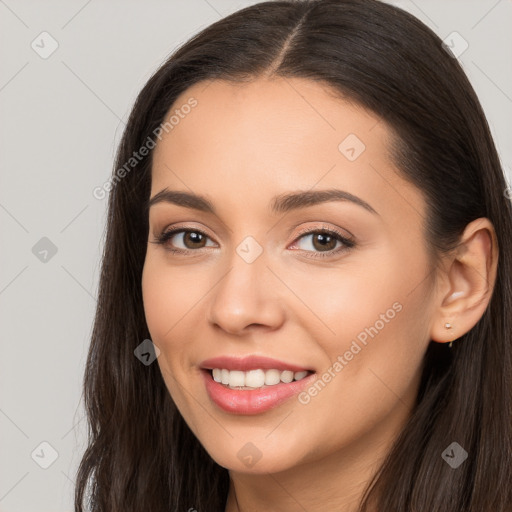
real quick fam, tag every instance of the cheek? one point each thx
(374, 319)
(167, 296)
(339, 303)
(166, 301)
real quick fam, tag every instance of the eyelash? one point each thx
(165, 236)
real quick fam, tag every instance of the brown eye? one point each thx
(193, 239)
(183, 240)
(319, 241)
(322, 243)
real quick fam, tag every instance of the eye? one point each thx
(324, 242)
(190, 239)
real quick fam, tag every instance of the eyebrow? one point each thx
(280, 204)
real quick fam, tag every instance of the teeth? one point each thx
(272, 377)
(287, 376)
(255, 378)
(236, 378)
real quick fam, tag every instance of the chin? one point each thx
(256, 457)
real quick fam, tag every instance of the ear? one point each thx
(467, 283)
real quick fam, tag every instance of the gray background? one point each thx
(62, 117)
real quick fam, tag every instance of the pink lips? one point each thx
(251, 401)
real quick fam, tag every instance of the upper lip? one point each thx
(247, 363)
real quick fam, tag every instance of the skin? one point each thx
(240, 146)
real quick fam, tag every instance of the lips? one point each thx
(256, 400)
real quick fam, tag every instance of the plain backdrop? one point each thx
(62, 115)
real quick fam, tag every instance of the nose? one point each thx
(246, 298)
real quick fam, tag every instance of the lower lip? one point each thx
(252, 401)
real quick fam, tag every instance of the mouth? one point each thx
(254, 391)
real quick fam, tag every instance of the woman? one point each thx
(306, 287)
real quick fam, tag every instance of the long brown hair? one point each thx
(141, 454)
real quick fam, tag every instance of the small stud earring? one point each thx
(449, 326)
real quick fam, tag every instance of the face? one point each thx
(253, 288)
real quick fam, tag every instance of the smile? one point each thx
(254, 384)
(253, 400)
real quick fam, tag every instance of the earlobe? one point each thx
(468, 284)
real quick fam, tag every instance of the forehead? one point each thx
(266, 137)
(265, 116)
